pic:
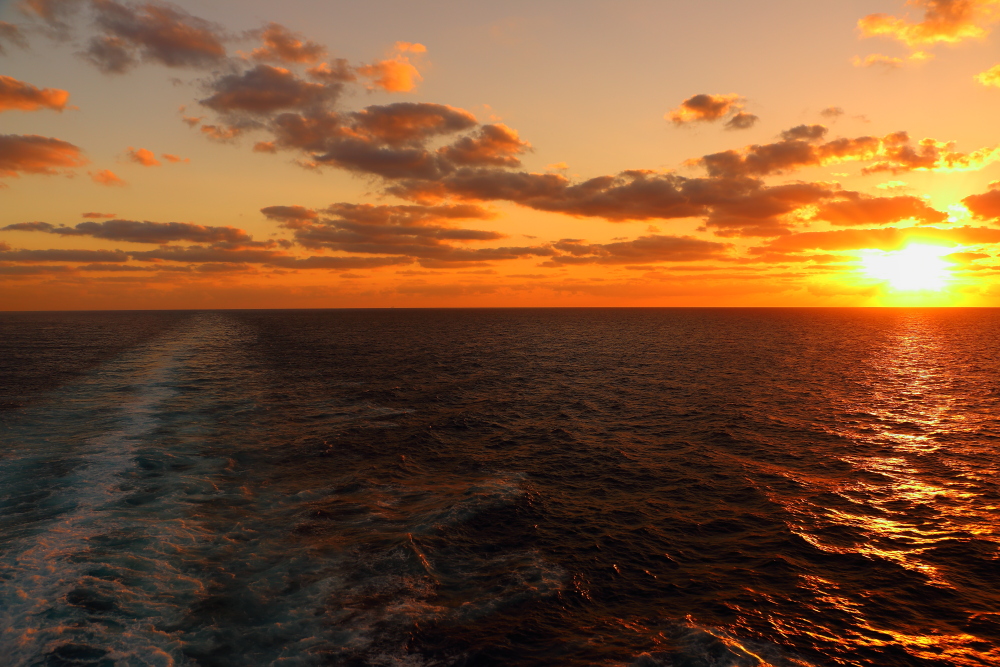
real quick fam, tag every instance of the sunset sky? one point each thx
(311, 154)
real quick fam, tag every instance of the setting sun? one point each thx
(916, 267)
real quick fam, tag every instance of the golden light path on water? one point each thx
(913, 495)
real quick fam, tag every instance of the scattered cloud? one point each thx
(832, 112)
(106, 177)
(95, 215)
(265, 89)
(283, 46)
(985, 206)
(706, 108)
(154, 33)
(134, 231)
(891, 62)
(855, 209)
(32, 154)
(643, 250)
(741, 121)
(174, 158)
(11, 34)
(990, 77)
(395, 74)
(944, 21)
(23, 96)
(496, 145)
(142, 156)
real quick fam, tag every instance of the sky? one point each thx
(325, 154)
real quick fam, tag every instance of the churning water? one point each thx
(500, 487)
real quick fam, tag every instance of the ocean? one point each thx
(612, 487)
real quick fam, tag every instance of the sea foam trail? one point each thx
(94, 561)
(139, 528)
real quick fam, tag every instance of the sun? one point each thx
(914, 268)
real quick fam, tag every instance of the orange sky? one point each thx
(305, 154)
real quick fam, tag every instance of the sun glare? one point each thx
(914, 268)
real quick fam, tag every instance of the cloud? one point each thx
(741, 121)
(283, 46)
(134, 231)
(984, 206)
(142, 156)
(32, 154)
(496, 145)
(386, 140)
(11, 34)
(855, 209)
(990, 77)
(944, 21)
(705, 108)
(106, 177)
(32, 256)
(412, 230)
(93, 214)
(832, 112)
(53, 12)
(153, 33)
(643, 250)
(264, 89)
(23, 96)
(395, 74)
(886, 238)
(893, 152)
(336, 71)
(174, 158)
(873, 59)
(199, 254)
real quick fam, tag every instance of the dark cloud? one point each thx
(805, 133)
(134, 231)
(265, 90)
(643, 250)
(97, 215)
(154, 33)
(200, 254)
(284, 46)
(496, 145)
(11, 34)
(832, 112)
(32, 256)
(742, 121)
(32, 154)
(335, 71)
(409, 230)
(705, 108)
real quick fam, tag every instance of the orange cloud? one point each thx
(142, 156)
(32, 154)
(396, 74)
(990, 77)
(886, 238)
(174, 158)
(891, 62)
(282, 45)
(705, 108)
(23, 96)
(106, 177)
(856, 209)
(944, 21)
(985, 206)
(221, 132)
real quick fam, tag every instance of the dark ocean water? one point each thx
(645, 488)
